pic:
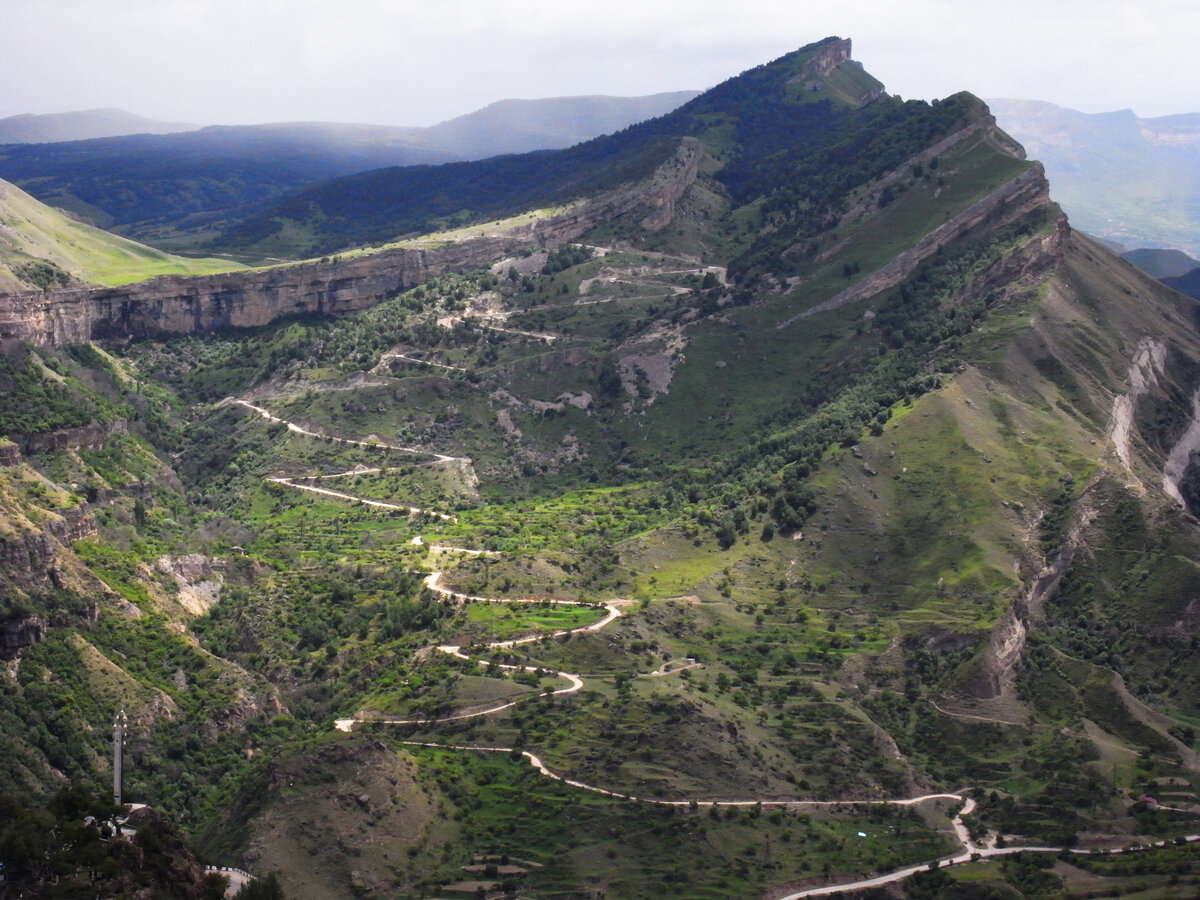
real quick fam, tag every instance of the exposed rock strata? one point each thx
(1181, 454)
(1147, 366)
(1008, 203)
(85, 437)
(17, 634)
(180, 304)
(984, 130)
(34, 553)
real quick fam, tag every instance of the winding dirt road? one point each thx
(615, 609)
(368, 445)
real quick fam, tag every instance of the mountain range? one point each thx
(176, 190)
(32, 128)
(779, 495)
(1132, 180)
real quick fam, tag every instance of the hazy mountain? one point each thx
(382, 205)
(1123, 178)
(518, 126)
(30, 128)
(1161, 263)
(176, 190)
(1171, 267)
(1188, 283)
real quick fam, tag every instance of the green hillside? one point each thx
(833, 520)
(40, 247)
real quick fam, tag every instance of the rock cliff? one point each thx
(85, 437)
(177, 304)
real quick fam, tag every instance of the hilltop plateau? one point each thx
(772, 496)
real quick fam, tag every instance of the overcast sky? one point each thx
(417, 62)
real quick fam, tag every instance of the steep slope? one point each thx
(720, 551)
(42, 248)
(100, 569)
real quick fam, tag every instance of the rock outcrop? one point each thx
(828, 57)
(17, 634)
(1008, 203)
(85, 437)
(180, 304)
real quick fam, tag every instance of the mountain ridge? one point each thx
(37, 128)
(152, 186)
(910, 579)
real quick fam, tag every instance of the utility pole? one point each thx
(120, 724)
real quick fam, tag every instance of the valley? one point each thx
(809, 505)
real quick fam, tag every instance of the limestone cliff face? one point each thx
(31, 560)
(85, 437)
(179, 304)
(828, 57)
(32, 556)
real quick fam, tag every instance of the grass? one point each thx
(501, 622)
(582, 839)
(820, 654)
(41, 232)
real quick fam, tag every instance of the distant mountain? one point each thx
(29, 128)
(755, 133)
(518, 126)
(42, 248)
(1188, 283)
(1161, 263)
(177, 190)
(1123, 178)
(1171, 267)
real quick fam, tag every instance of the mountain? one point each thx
(1161, 263)
(41, 248)
(380, 206)
(81, 126)
(519, 126)
(785, 494)
(1188, 283)
(176, 190)
(1123, 178)
(1171, 267)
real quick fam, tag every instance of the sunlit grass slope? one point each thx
(42, 247)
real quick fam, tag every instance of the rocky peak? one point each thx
(828, 56)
